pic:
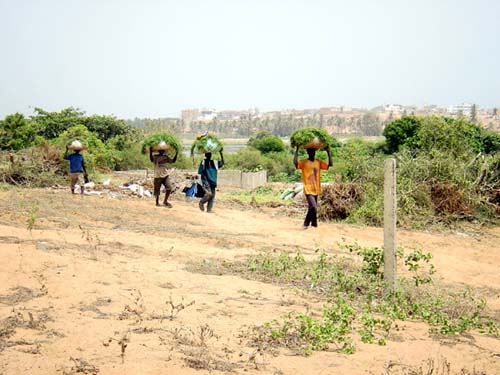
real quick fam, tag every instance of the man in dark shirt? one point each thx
(208, 172)
(161, 175)
(76, 168)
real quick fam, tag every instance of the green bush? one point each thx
(456, 137)
(361, 162)
(266, 142)
(97, 155)
(50, 125)
(246, 159)
(490, 142)
(16, 132)
(126, 152)
(401, 132)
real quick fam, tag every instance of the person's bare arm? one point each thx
(296, 157)
(175, 157)
(222, 157)
(151, 155)
(330, 163)
(84, 169)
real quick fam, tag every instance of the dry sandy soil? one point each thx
(90, 288)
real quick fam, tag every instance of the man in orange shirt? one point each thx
(311, 177)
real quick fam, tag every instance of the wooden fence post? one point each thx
(390, 223)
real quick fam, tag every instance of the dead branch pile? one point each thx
(493, 197)
(337, 200)
(39, 166)
(448, 199)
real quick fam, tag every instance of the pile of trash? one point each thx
(140, 187)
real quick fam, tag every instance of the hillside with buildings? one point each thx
(340, 120)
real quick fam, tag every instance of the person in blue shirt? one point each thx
(76, 169)
(208, 171)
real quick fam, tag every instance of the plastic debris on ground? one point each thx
(290, 193)
(137, 186)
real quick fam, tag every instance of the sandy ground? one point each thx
(91, 287)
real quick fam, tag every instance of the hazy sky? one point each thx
(153, 58)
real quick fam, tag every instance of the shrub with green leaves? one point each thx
(96, 154)
(401, 132)
(266, 142)
(16, 132)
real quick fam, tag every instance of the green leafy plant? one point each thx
(305, 333)
(32, 217)
(358, 302)
(266, 142)
(371, 327)
(414, 263)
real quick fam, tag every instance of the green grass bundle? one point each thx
(206, 143)
(312, 138)
(161, 141)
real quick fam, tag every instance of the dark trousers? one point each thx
(209, 196)
(165, 181)
(312, 211)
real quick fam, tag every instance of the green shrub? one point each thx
(490, 141)
(266, 142)
(371, 209)
(456, 137)
(126, 152)
(401, 132)
(246, 159)
(361, 163)
(97, 155)
(16, 132)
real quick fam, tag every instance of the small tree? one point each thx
(401, 132)
(16, 132)
(266, 142)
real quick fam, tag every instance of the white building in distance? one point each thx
(464, 109)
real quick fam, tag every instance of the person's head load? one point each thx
(76, 145)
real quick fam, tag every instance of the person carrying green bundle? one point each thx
(208, 171)
(161, 174)
(311, 177)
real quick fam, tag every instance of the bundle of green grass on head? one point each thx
(312, 138)
(161, 141)
(206, 143)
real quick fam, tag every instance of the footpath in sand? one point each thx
(99, 285)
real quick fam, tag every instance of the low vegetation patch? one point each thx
(358, 306)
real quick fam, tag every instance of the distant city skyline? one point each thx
(156, 58)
